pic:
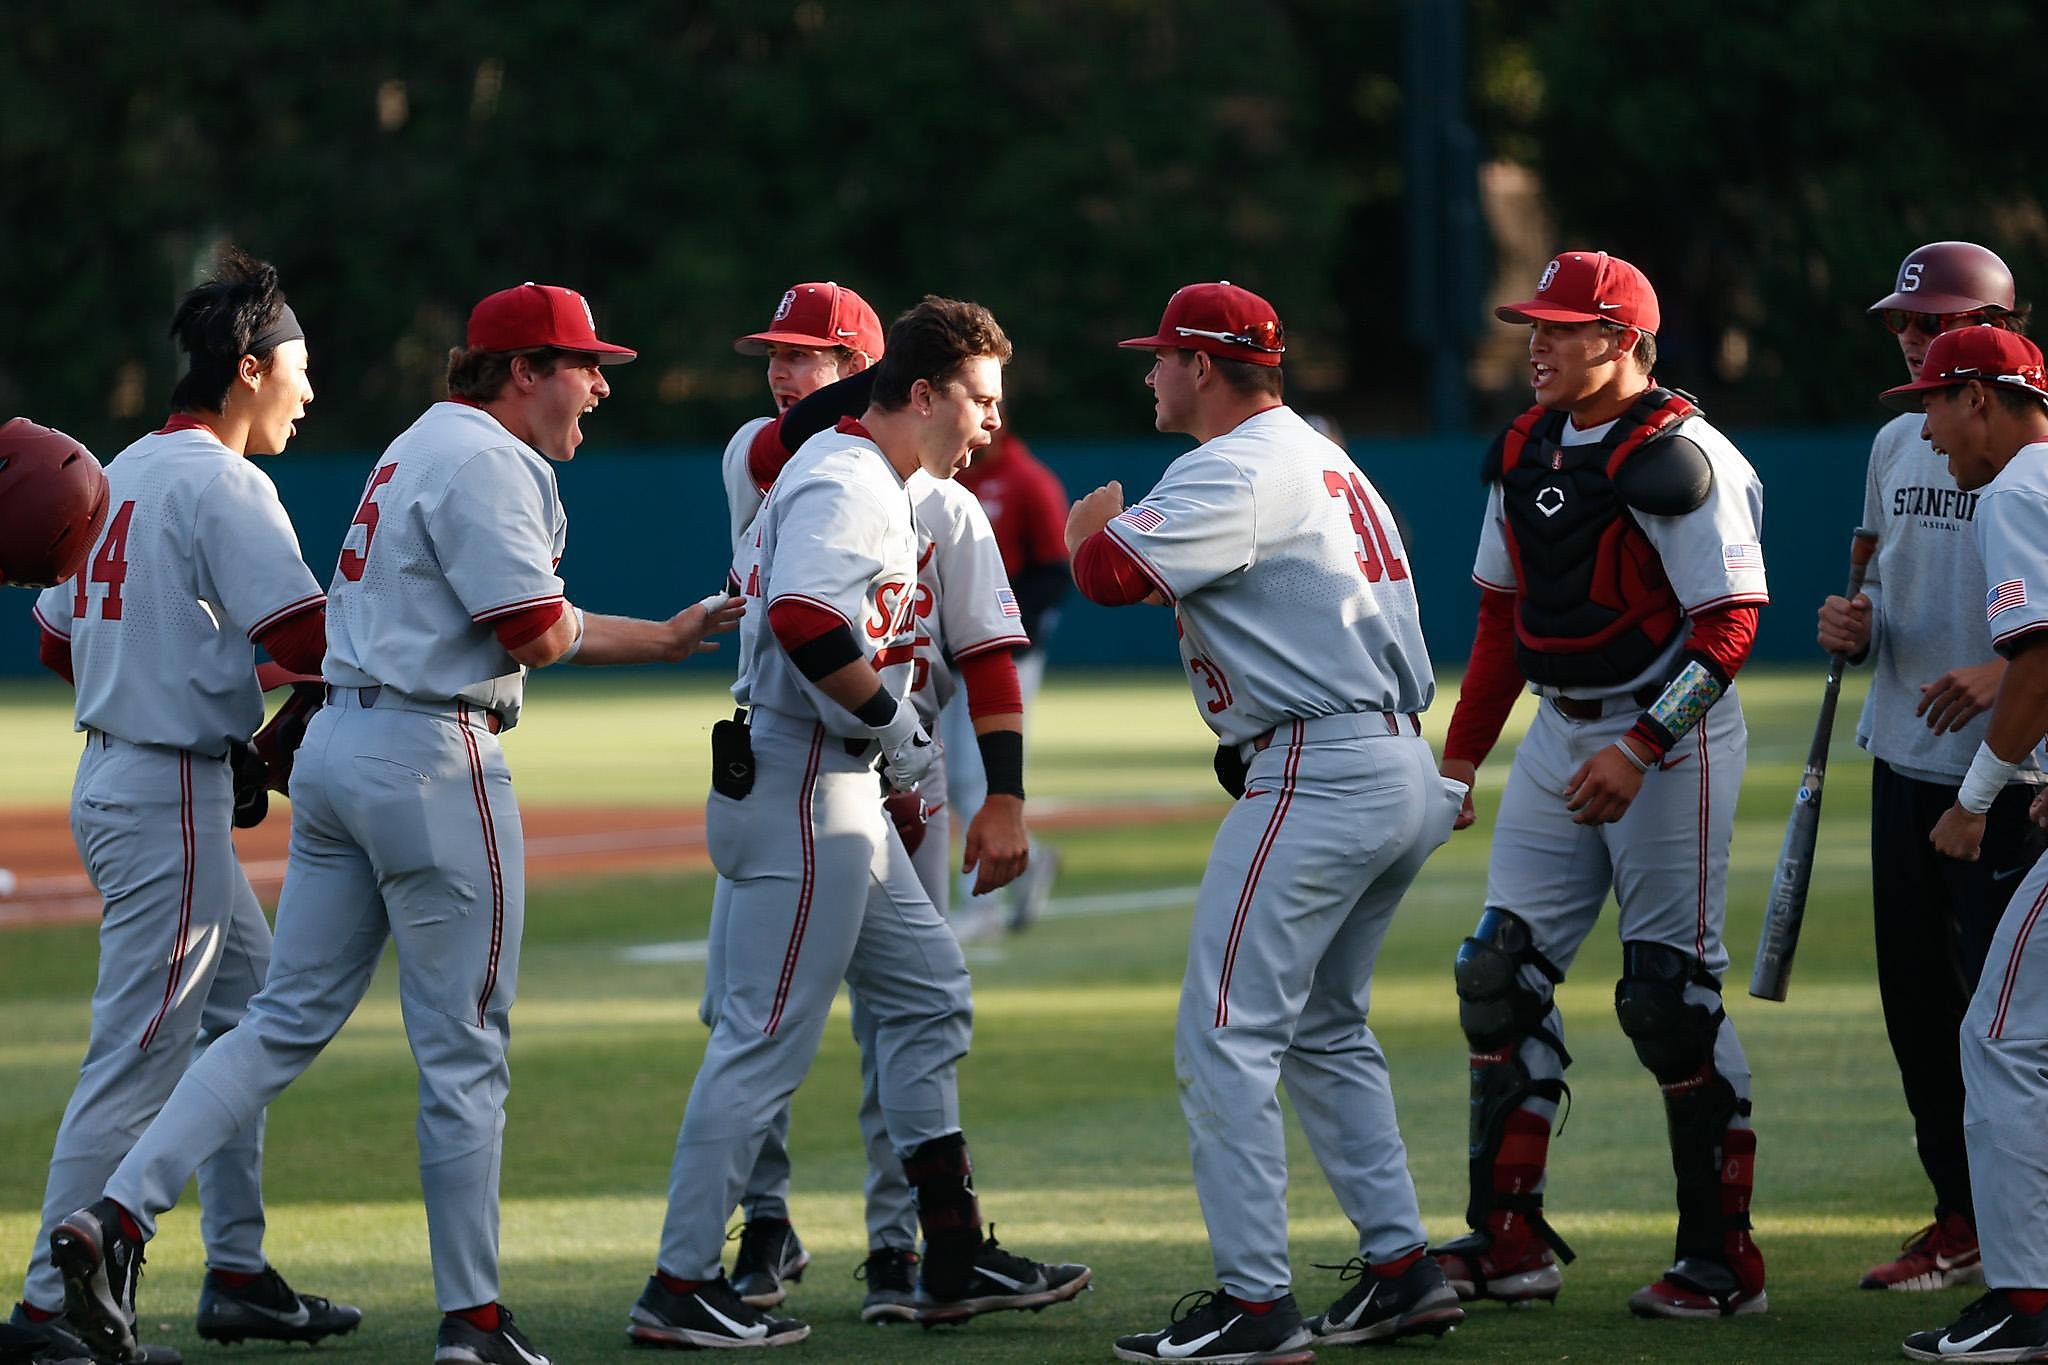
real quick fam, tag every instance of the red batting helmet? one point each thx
(1950, 277)
(53, 502)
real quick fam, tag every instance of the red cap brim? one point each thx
(606, 353)
(1537, 311)
(1153, 343)
(1906, 397)
(756, 343)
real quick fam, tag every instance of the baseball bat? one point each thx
(1771, 978)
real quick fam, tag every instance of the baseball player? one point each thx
(821, 881)
(194, 565)
(1621, 570)
(1933, 675)
(404, 824)
(967, 620)
(1985, 397)
(820, 333)
(1298, 624)
(1028, 507)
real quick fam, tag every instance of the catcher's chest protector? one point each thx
(1593, 605)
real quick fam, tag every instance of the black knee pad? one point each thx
(1673, 1036)
(1496, 1008)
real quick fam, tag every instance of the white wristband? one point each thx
(1630, 754)
(575, 644)
(1986, 779)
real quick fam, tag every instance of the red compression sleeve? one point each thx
(1105, 572)
(992, 686)
(1492, 682)
(299, 642)
(55, 652)
(1725, 636)
(797, 623)
(522, 627)
(766, 455)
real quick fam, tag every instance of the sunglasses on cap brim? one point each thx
(1269, 337)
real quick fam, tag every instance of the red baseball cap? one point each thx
(1221, 319)
(531, 316)
(821, 314)
(1989, 355)
(1588, 286)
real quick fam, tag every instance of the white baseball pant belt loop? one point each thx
(1350, 725)
(391, 699)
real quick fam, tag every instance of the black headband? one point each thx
(284, 328)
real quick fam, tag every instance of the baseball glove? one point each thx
(277, 743)
(1231, 770)
(908, 813)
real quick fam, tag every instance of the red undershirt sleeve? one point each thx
(299, 641)
(522, 627)
(55, 652)
(1106, 574)
(1725, 635)
(797, 623)
(992, 686)
(766, 455)
(1493, 682)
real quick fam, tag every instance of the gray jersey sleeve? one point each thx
(2012, 528)
(496, 533)
(742, 498)
(250, 566)
(53, 608)
(977, 610)
(828, 548)
(1714, 554)
(1491, 566)
(1199, 523)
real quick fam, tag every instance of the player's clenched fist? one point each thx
(1093, 512)
(1959, 834)
(1601, 791)
(1845, 625)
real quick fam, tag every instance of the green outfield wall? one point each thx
(647, 532)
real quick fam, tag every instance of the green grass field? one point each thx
(1068, 1096)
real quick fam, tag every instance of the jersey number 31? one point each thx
(1376, 557)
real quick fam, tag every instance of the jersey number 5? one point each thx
(1376, 557)
(366, 517)
(109, 566)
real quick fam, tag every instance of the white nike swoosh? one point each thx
(298, 1317)
(1017, 1285)
(1607, 305)
(759, 1329)
(1170, 1349)
(845, 332)
(527, 1355)
(1949, 1346)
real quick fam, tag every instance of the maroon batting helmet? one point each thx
(53, 502)
(1950, 277)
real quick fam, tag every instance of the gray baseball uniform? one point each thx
(818, 876)
(1299, 628)
(196, 559)
(404, 827)
(2005, 1033)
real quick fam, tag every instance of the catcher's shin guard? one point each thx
(1674, 1038)
(1499, 1010)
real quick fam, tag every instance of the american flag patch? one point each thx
(2011, 593)
(1143, 518)
(1007, 600)
(1746, 557)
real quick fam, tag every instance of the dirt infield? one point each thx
(562, 843)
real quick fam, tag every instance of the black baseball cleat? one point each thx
(53, 1342)
(1420, 1299)
(891, 1277)
(268, 1309)
(1989, 1329)
(101, 1266)
(1209, 1325)
(713, 1315)
(463, 1343)
(769, 1254)
(993, 1281)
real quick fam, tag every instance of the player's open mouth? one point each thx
(1540, 374)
